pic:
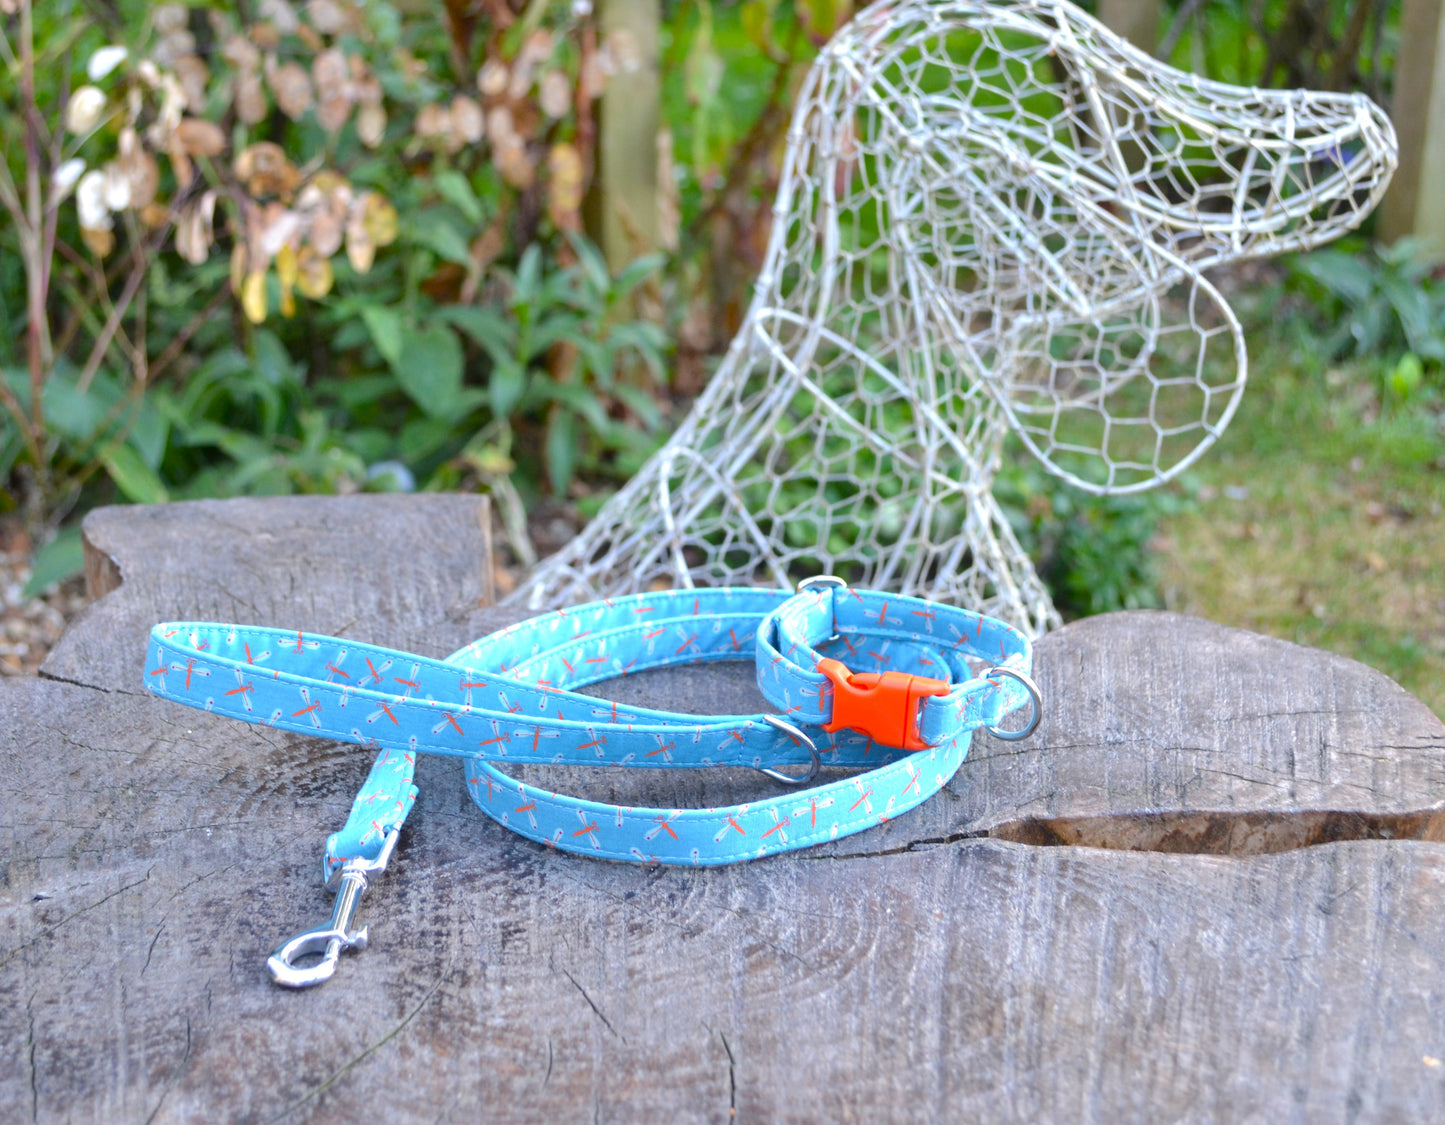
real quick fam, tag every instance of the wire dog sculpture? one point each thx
(994, 216)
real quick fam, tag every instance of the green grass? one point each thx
(1318, 519)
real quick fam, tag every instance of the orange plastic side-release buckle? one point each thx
(882, 705)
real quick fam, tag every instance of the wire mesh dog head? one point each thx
(994, 215)
(1050, 195)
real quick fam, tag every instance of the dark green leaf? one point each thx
(491, 331)
(443, 237)
(508, 381)
(561, 450)
(456, 189)
(529, 273)
(430, 368)
(1345, 275)
(385, 326)
(133, 476)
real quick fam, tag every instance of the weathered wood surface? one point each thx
(1275, 953)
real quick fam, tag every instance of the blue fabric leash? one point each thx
(884, 681)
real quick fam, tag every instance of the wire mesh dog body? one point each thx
(993, 217)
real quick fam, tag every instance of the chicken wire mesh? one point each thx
(994, 216)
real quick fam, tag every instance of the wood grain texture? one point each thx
(947, 966)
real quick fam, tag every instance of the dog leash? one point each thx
(885, 681)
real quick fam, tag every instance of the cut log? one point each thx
(1207, 889)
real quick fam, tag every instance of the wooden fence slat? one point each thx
(623, 206)
(1416, 200)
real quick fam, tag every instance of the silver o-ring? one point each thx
(1035, 698)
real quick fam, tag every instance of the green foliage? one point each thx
(1094, 553)
(408, 306)
(1384, 306)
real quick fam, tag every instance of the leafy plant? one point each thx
(1384, 304)
(325, 247)
(1093, 552)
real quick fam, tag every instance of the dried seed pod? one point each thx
(292, 87)
(250, 98)
(280, 14)
(371, 124)
(500, 126)
(379, 217)
(565, 184)
(253, 296)
(556, 94)
(265, 35)
(432, 122)
(169, 18)
(199, 137)
(99, 240)
(180, 163)
(85, 110)
(90, 201)
(333, 89)
(194, 77)
(194, 228)
(326, 16)
(315, 275)
(514, 164)
(64, 178)
(264, 169)
(104, 60)
(468, 125)
(241, 53)
(286, 276)
(277, 227)
(116, 187)
(492, 78)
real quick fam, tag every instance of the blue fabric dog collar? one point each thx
(512, 697)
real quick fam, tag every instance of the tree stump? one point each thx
(1210, 887)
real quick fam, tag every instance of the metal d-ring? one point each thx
(1035, 697)
(822, 582)
(797, 736)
